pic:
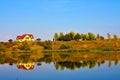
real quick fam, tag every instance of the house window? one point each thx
(27, 38)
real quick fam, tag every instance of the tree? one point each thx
(2, 46)
(56, 36)
(10, 40)
(91, 36)
(47, 45)
(115, 36)
(38, 39)
(72, 35)
(61, 37)
(109, 36)
(101, 38)
(83, 36)
(61, 34)
(98, 37)
(67, 37)
(77, 37)
(25, 46)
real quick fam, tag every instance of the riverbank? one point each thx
(61, 46)
(84, 46)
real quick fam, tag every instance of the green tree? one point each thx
(115, 36)
(10, 40)
(101, 38)
(61, 34)
(38, 39)
(67, 37)
(98, 37)
(72, 34)
(83, 36)
(91, 36)
(2, 47)
(109, 36)
(25, 46)
(56, 36)
(47, 45)
(61, 37)
(77, 37)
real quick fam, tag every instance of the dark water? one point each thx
(60, 69)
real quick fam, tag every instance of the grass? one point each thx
(62, 46)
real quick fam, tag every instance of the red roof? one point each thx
(22, 36)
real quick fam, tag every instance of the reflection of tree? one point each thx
(116, 62)
(92, 64)
(39, 64)
(100, 62)
(47, 58)
(61, 60)
(75, 65)
(110, 63)
(63, 65)
(57, 66)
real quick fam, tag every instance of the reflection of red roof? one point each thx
(29, 67)
(22, 36)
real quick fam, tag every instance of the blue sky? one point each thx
(43, 18)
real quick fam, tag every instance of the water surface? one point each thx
(60, 67)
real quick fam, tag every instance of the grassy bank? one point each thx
(61, 46)
(85, 46)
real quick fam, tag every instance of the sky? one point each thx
(43, 18)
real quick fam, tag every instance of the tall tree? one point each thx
(83, 36)
(72, 35)
(109, 36)
(56, 36)
(77, 37)
(98, 37)
(67, 37)
(61, 37)
(91, 36)
(115, 36)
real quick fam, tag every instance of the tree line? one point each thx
(77, 36)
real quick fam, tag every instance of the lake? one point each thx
(60, 66)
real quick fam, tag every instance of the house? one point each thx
(25, 66)
(25, 37)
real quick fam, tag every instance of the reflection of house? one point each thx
(25, 37)
(25, 66)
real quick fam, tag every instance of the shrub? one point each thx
(65, 47)
(47, 44)
(2, 47)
